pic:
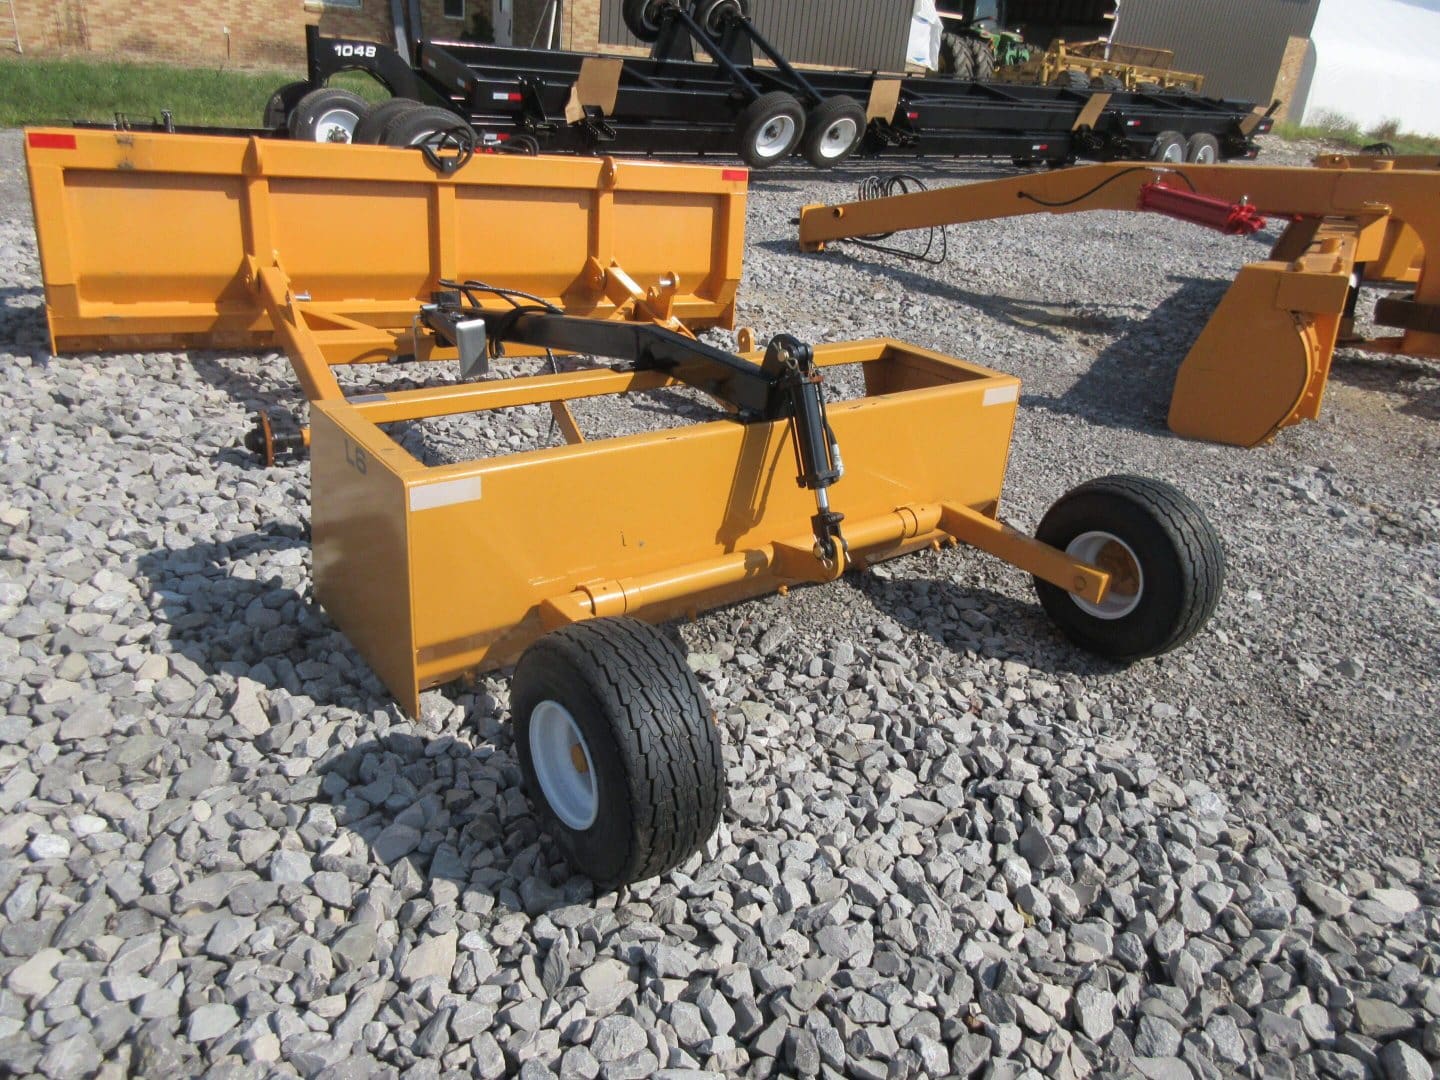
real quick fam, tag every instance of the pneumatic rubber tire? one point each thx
(1071, 80)
(282, 102)
(371, 128)
(1202, 149)
(327, 115)
(713, 15)
(955, 56)
(642, 17)
(1166, 562)
(833, 130)
(769, 129)
(982, 61)
(648, 743)
(1169, 147)
(428, 124)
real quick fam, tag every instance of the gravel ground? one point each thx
(955, 846)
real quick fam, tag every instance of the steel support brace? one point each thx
(288, 316)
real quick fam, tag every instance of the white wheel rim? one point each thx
(1117, 558)
(336, 125)
(1205, 155)
(838, 137)
(1174, 152)
(775, 137)
(715, 15)
(563, 765)
(433, 139)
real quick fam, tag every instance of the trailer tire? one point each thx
(327, 115)
(282, 101)
(982, 61)
(955, 56)
(424, 125)
(1202, 149)
(642, 17)
(619, 754)
(769, 129)
(1166, 562)
(371, 128)
(714, 14)
(1169, 146)
(833, 130)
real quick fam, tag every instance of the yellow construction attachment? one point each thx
(655, 525)
(557, 558)
(1262, 362)
(1132, 67)
(170, 241)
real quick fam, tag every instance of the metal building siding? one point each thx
(1237, 45)
(865, 34)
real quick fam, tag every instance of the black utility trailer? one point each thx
(714, 85)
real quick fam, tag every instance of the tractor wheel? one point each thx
(769, 129)
(955, 56)
(643, 17)
(617, 749)
(428, 125)
(713, 15)
(832, 131)
(1202, 149)
(327, 115)
(278, 108)
(1071, 80)
(371, 128)
(1169, 146)
(982, 61)
(1110, 84)
(1165, 563)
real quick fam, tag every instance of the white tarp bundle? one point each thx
(924, 36)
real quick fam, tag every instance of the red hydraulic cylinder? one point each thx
(1233, 219)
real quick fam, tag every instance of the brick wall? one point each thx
(582, 25)
(237, 33)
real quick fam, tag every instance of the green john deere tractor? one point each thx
(975, 41)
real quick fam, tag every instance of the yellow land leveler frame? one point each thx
(1262, 361)
(559, 559)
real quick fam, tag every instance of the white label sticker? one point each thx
(1001, 395)
(445, 493)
